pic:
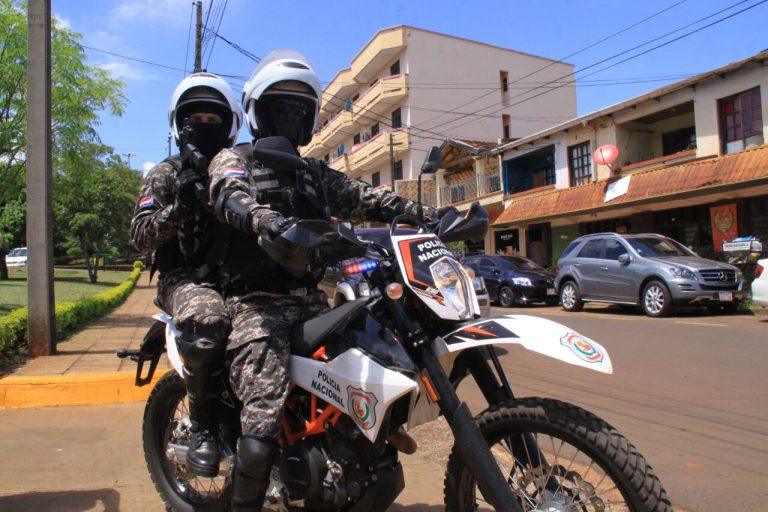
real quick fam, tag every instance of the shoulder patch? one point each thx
(234, 172)
(146, 202)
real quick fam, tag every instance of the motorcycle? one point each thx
(367, 372)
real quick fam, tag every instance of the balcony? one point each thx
(380, 99)
(375, 151)
(336, 130)
(315, 149)
(467, 189)
(385, 45)
(341, 164)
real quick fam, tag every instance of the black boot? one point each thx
(250, 477)
(201, 369)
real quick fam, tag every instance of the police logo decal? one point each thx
(582, 348)
(362, 407)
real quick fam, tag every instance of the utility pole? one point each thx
(392, 160)
(199, 38)
(41, 319)
(169, 145)
(129, 155)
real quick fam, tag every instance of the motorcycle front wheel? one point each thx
(557, 457)
(165, 430)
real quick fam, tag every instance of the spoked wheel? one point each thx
(166, 438)
(506, 297)
(558, 457)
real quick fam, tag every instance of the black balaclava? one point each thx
(210, 138)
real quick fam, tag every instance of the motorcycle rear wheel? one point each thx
(588, 465)
(166, 421)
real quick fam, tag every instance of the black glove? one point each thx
(184, 187)
(277, 225)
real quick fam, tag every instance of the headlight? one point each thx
(683, 273)
(522, 281)
(453, 284)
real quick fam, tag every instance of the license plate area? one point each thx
(725, 296)
(551, 291)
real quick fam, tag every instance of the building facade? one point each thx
(692, 164)
(408, 88)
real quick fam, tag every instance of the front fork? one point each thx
(470, 442)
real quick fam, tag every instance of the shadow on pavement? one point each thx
(63, 501)
(417, 507)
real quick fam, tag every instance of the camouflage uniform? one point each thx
(197, 308)
(259, 345)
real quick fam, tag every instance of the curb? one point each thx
(17, 392)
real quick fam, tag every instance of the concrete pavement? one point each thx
(85, 370)
(71, 427)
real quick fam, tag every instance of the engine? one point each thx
(332, 470)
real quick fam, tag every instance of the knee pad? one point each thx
(201, 353)
(255, 456)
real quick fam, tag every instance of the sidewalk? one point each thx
(85, 369)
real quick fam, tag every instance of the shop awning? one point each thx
(702, 176)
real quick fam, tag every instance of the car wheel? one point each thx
(570, 297)
(506, 297)
(657, 300)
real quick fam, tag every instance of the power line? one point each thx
(134, 59)
(613, 57)
(625, 29)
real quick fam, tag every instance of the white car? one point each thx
(17, 257)
(760, 284)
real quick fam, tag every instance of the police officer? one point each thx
(171, 218)
(282, 97)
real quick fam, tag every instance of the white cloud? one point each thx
(127, 71)
(61, 22)
(170, 11)
(147, 166)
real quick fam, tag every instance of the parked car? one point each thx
(340, 288)
(760, 284)
(648, 270)
(17, 257)
(514, 280)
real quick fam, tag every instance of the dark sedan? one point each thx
(514, 280)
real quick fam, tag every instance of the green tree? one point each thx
(93, 205)
(78, 93)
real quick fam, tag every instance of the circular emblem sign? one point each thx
(723, 220)
(583, 349)
(362, 407)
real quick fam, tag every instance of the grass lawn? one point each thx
(69, 284)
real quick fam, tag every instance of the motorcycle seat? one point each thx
(308, 336)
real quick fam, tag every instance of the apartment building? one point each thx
(692, 164)
(409, 89)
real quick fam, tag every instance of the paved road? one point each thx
(689, 391)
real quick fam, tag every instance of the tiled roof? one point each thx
(700, 175)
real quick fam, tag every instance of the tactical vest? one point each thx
(244, 265)
(189, 249)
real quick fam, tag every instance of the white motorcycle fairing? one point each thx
(355, 384)
(536, 334)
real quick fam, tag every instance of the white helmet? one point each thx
(204, 88)
(283, 75)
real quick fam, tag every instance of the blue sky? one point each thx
(331, 33)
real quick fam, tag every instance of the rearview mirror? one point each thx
(624, 258)
(432, 162)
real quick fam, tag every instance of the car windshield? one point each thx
(653, 247)
(18, 252)
(518, 263)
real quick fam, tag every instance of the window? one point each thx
(505, 125)
(741, 121)
(356, 139)
(397, 120)
(327, 158)
(592, 249)
(504, 79)
(394, 69)
(458, 193)
(375, 130)
(397, 170)
(678, 140)
(614, 249)
(579, 164)
(376, 179)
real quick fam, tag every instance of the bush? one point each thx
(69, 315)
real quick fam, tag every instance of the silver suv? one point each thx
(648, 270)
